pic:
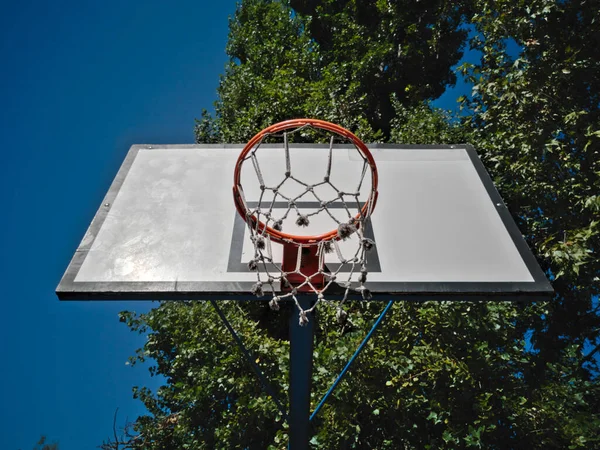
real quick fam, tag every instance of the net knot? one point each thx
(362, 278)
(302, 221)
(274, 303)
(303, 320)
(278, 225)
(252, 265)
(345, 230)
(327, 247)
(368, 244)
(259, 241)
(341, 316)
(257, 289)
(366, 293)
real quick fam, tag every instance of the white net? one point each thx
(325, 263)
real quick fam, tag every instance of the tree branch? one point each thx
(115, 429)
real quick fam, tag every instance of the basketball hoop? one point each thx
(303, 268)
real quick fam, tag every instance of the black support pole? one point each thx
(301, 363)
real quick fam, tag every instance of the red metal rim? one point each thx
(279, 236)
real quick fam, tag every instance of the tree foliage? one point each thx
(339, 61)
(379, 50)
(537, 119)
(43, 444)
(437, 374)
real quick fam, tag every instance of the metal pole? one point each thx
(301, 362)
(356, 353)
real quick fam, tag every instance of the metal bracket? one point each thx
(261, 376)
(356, 353)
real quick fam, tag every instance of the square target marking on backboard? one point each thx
(242, 250)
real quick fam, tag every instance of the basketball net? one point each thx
(304, 270)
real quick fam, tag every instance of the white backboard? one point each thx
(168, 228)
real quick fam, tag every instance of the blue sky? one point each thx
(80, 83)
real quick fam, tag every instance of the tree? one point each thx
(43, 444)
(127, 439)
(438, 374)
(272, 66)
(537, 121)
(378, 50)
(331, 60)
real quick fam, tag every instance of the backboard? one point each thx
(167, 228)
